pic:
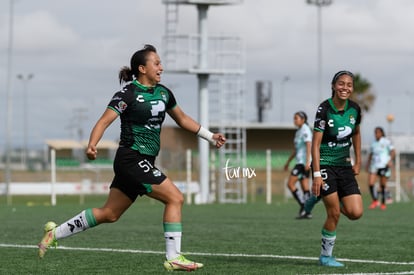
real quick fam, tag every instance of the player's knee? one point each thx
(334, 215)
(178, 199)
(352, 213)
(110, 216)
(355, 215)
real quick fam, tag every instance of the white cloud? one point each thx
(41, 32)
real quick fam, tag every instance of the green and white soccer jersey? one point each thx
(142, 112)
(381, 153)
(302, 136)
(337, 127)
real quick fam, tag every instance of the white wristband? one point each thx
(317, 174)
(206, 134)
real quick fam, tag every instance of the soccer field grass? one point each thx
(252, 238)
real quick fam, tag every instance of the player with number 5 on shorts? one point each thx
(141, 104)
(336, 129)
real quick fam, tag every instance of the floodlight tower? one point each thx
(181, 57)
(25, 80)
(319, 4)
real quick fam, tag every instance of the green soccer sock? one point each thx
(328, 242)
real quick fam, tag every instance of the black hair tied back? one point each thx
(303, 115)
(125, 75)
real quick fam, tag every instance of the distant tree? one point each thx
(363, 94)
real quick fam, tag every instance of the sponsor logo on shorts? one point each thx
(156, 172)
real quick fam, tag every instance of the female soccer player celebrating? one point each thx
(141, 106)
(336, 128)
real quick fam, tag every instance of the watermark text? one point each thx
(238, 172)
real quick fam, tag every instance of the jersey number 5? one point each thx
(324, 174)
(145, 165)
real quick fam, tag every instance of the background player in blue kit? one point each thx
(336, 129)
(302, 155)
(380, 162)
(141, 105)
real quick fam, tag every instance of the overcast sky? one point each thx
(75, 49)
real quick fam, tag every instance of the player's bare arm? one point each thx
(97, 132)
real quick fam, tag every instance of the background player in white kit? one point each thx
(380, 162)
(302, 155)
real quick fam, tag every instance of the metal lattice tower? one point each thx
(227, 108)
(218, 62)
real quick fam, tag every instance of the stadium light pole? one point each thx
(25, 80)
(7, 170)
(282, 91)
(319, 4)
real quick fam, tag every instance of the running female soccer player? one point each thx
(141, 106)
(336, 129)
(302, 154)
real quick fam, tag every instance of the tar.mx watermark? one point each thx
(238, 172)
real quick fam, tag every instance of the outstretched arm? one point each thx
(97, 132)
(187, 123)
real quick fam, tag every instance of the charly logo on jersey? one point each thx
(344, 132)
(140, 98)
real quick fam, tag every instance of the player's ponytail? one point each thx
(125, 75)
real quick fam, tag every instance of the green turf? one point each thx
(229, 239)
